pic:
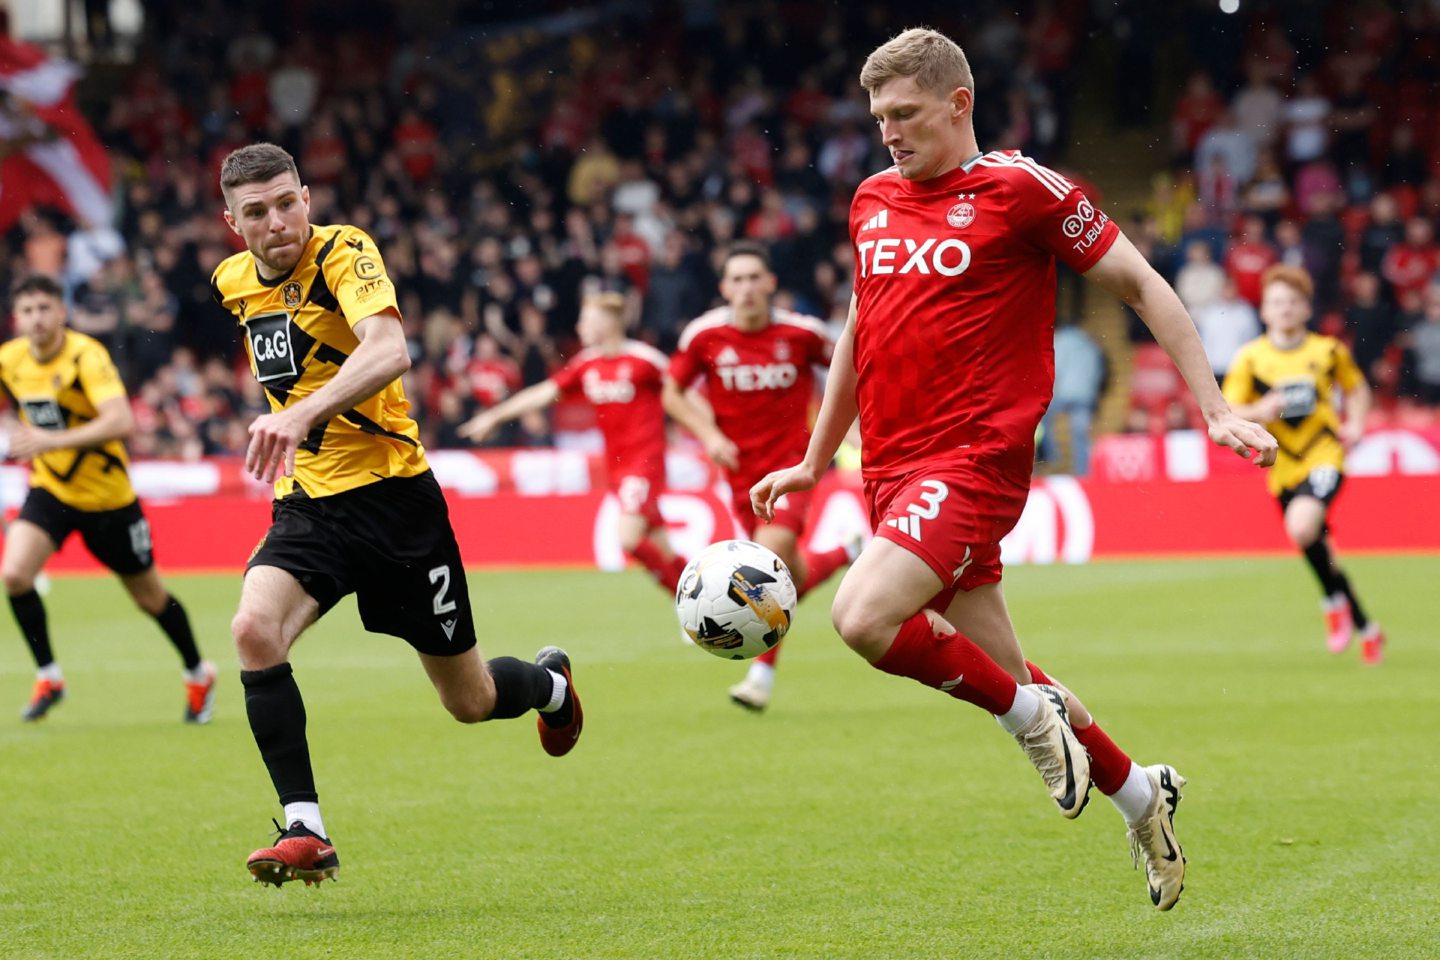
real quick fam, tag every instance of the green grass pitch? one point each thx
(863, 816)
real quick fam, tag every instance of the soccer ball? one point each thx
(735, 599)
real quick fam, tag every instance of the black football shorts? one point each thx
(119, 538)
(391, 544)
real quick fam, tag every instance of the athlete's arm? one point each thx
(837, 413)
(1358, 400)
(113, 421)
(699, 420)
(1124, 272)
(532, 398)
(381, 358)
(1264, 410)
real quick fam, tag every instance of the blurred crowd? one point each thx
(1317, 145)
(504, 171)
(507, 168)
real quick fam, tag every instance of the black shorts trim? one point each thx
(120, 538)
(391, 544)
(1322, 483)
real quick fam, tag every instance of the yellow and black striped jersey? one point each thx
(1307, 376)
(63, 392)
(298, 331)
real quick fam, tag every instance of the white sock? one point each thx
(203, 671)
(1133, 798)
(1022, 711)
(762, 674)
(307, 813)
(557, 692)
(51, 672)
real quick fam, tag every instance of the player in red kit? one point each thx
(947, 358)
(622, 379)
(757, 363)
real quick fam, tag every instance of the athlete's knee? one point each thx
(1302, 531)
(469, 706)
(259, 639)
(469, 709)
(17, 582)
(152, 598)
(864, 626)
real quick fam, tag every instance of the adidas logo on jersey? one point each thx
(728, 356)
(877, 222)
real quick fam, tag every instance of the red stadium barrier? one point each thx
(548, 508)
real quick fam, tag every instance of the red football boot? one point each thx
(299, 854)
(46, 694)
(560, 729)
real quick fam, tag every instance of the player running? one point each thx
(757, 362)
(1289, 380)
(621, 379)
(75, 418)
(356, 508)
(947, 358)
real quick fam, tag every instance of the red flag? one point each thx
(51, 155)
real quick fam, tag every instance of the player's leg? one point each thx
(413, 586)
(878, 612)
(120, 539)
(1146, 797)
(151, 595)
(642, 529)
(1305, 526)
(274, 610)
(754, 690)
(809, 569)
(27, 548)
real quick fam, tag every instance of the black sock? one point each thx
(29, 612)
(519, 687)
(1342, 584)
(1318, 556)
(277, 719)
(177, 627)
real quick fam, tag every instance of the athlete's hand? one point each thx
(478, 427)
(1270, 406)
(722, 451)
(274, 438)
(26, 441)
(775, 485)
(1351, 433)
(1247, 439)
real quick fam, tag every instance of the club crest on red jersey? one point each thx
(960, 216)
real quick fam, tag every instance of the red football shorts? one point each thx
(639, 493)
(952, 515)
(791, 511)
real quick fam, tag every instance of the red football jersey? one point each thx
(955, 299)
(759, 383)
(624, 387)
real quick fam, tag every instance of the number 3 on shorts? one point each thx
(633, 493)
(932, 494)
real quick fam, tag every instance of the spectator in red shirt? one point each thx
(1409, 265)
(418, 144)
(1247, 258)
(492, 375)
(1195, 112)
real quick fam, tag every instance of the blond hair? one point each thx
(1295, 277)
(610, 302)
(935, 61)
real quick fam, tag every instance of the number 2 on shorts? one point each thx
(441, 575)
